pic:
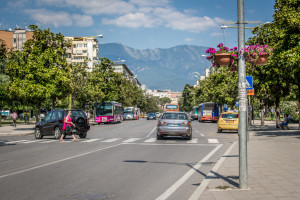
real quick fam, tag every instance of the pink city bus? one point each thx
(108, 112)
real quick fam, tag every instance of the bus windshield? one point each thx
(104, 109)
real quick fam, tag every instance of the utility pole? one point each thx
(243, 166)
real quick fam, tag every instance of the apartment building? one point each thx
(122, 68)
(174, 96)
(15, 39)
(83, 50)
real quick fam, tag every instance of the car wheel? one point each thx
(57, 133)
(38, 134)
(83, 134)
(219, 130)
(159, 137)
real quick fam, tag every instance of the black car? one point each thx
(53, 122)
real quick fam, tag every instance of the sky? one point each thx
(140, 24)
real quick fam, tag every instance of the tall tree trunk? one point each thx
(262, 113)
(38, 109)
(53, 104)
(277, 110)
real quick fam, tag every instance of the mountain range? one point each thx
(160, 68)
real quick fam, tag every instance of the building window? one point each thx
(15, 40)
(85, 45)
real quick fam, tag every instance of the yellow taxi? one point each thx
(228, 121)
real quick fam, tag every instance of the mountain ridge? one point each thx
(160, 68)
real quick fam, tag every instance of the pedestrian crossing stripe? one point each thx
(103, 140)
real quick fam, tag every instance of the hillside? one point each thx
(169, 68)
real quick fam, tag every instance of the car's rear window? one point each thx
(77, 113)
(230, 116)
(174, 116)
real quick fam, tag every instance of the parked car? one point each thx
(228, 121)
(53, 122)
(174, 124)
(151, 115)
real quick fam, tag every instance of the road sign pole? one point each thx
(243, 171)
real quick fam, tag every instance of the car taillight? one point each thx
(87, 120)
(162, 123)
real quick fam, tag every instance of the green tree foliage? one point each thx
(40, 71)
(283, 34)
(220, 87)
(4, 98)
(187, 101)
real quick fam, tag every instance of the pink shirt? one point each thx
(69, 119)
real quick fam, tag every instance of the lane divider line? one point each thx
(185, 177)
(200, 189)
(57, 161)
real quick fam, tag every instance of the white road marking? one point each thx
(193, 141)
(131, 140)
(30, 141)
(150, 140)
(151, 132)
(48, 141)
(185, 177)
(112, 140)
(57, 161)
(202, 135)
(198, 192)
(213, 141)
(14, 142)
(91, 140)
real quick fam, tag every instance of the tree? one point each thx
(4, 98)
(283, 34)
(40, 71)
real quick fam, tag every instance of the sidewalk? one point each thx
(21, 129)
(273, 167)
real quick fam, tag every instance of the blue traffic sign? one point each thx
(249, 82)
(237, 103)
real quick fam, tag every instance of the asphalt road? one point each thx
(118, 161)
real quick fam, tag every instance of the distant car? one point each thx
(53, 122)
(228, 121)
(151, 116)
(157, 114)
(174, 124)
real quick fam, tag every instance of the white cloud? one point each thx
(47, 17)
(180, 21)
(58, 19)
(97, 7)
(83, 20)
(133, 20)
(188, 40)
(152, 3)
(123, 13)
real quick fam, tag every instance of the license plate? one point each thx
(173, 125)
(229, 121)
(104, 119)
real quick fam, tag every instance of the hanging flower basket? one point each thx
(223, 59)
(261, 60)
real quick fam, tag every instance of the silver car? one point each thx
(174, 124)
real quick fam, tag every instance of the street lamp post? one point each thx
(243, 168)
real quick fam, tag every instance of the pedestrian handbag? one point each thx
(68, 130)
